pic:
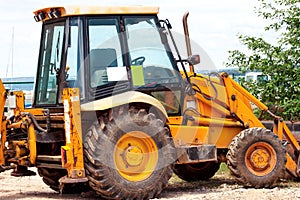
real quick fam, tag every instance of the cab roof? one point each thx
(57, 12)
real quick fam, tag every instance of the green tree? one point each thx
(281, 61)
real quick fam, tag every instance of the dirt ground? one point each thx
(219, 187)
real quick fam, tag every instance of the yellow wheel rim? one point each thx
(260, 158)
(135, 156)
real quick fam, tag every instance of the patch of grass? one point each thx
(222, 176)
(177, 184)
(223, 171)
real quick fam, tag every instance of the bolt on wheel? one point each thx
(260, 158)
(135, 156)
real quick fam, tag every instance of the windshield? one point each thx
(49, 63)
(151, 64)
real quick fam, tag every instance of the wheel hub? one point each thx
(260, 159)
(133, 156)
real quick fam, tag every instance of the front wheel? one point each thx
(129, 157)
(256, 158)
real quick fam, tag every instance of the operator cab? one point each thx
(105, 51)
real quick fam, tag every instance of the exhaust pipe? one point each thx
(187, 38)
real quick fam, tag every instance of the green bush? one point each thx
(281, 61)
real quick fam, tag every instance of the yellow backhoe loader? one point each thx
(113, 113)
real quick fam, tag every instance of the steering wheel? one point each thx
(138, 61)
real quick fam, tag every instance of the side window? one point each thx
(104, 50)
(75, 60)
(53, 37)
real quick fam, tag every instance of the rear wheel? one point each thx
(128, 157)
(256, 157)
(197, 171)
(51, 178)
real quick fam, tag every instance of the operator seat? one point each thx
(100, 59)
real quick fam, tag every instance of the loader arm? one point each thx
(236, 95)
(245, 115)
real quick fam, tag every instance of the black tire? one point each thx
(51, 178)
(197, 171)
(103, 162)
(256, 158)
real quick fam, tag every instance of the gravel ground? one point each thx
(219, 187)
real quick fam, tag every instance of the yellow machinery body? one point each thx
(130, 151)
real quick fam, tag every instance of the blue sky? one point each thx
(213, 24)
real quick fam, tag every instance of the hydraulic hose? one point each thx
(212, 84)
(35, 123)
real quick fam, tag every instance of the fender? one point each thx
(124, 98)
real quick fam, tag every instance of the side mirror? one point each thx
(193, 59)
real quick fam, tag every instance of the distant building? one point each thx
(256, 77)
(24, 84)
(19, 83)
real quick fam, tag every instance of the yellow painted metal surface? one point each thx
(219, 106)
(249, 96)
(291, 166)
(72, 152)
(135, 156)
(98, 10)
(2, 122)
(215, 122)
(223, 117)
(281, 129)
(188, 135)
(123, 99)
(175, 120)
(32, 144)
(3, 140)
(222, 136)
(197, 135)
(20, 99)
(239, 103)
